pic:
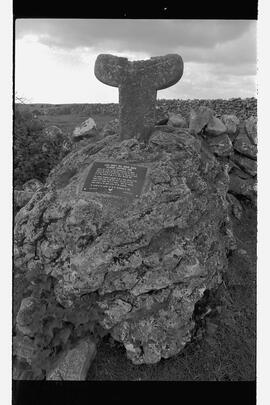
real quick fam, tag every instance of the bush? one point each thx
(34, 155)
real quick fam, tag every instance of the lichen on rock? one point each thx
(132, 269)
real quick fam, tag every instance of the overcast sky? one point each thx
(54, 59)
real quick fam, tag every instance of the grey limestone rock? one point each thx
(231, 122)
(246, 187)
(176, 120)
(243, 145)
(23, 196)
(32, 185)
(215, 127)
(236, 206)
(248, 165)
(142, 263)
(199, 118)
(87, 129)
(251, 129)
(220, 145)
(74, 363)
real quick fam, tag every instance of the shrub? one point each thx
(34, 155)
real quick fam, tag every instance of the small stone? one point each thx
(231, 122)
(251, 129)
(32, 185)
(21, 198)
(23, 318)
(23, 348)
(73, 365)
(248, 165)
(221, 145)
(176, 120)
(215, 127)
(242, 252)
(87, 129)
(236, 206)
(244, 187)
(163, 121)
(111, 128)
(199, 119)
(244, 146)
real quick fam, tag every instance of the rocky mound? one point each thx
(96, 264)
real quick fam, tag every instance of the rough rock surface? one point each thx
(131, 269)
(176, 120)
(251, 129)
(111, 128)
(215, 127)
(85, 130)
(242, 108)
(220, 145)
(243, 145)
(32, 185)
(21, 197)
(236, 206)
(74, 363)
(138, 82)
(231, 123)
(248, 165)
(198, 119)
(243, 186)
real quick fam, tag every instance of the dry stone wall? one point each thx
(241, 107)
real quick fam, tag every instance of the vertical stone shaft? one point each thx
(136, 109)
(138, 83)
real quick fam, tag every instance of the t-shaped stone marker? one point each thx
(138, 83)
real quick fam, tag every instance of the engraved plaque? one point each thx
(117, 179)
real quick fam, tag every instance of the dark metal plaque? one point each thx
(117, 179)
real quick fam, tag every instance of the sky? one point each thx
(54, 58)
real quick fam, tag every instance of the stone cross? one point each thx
(138, 83)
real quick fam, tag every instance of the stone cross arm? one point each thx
(161, 71)
(138, 83)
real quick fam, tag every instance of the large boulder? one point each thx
(133, 268)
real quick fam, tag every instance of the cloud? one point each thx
(219, 56)
(152, 37)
